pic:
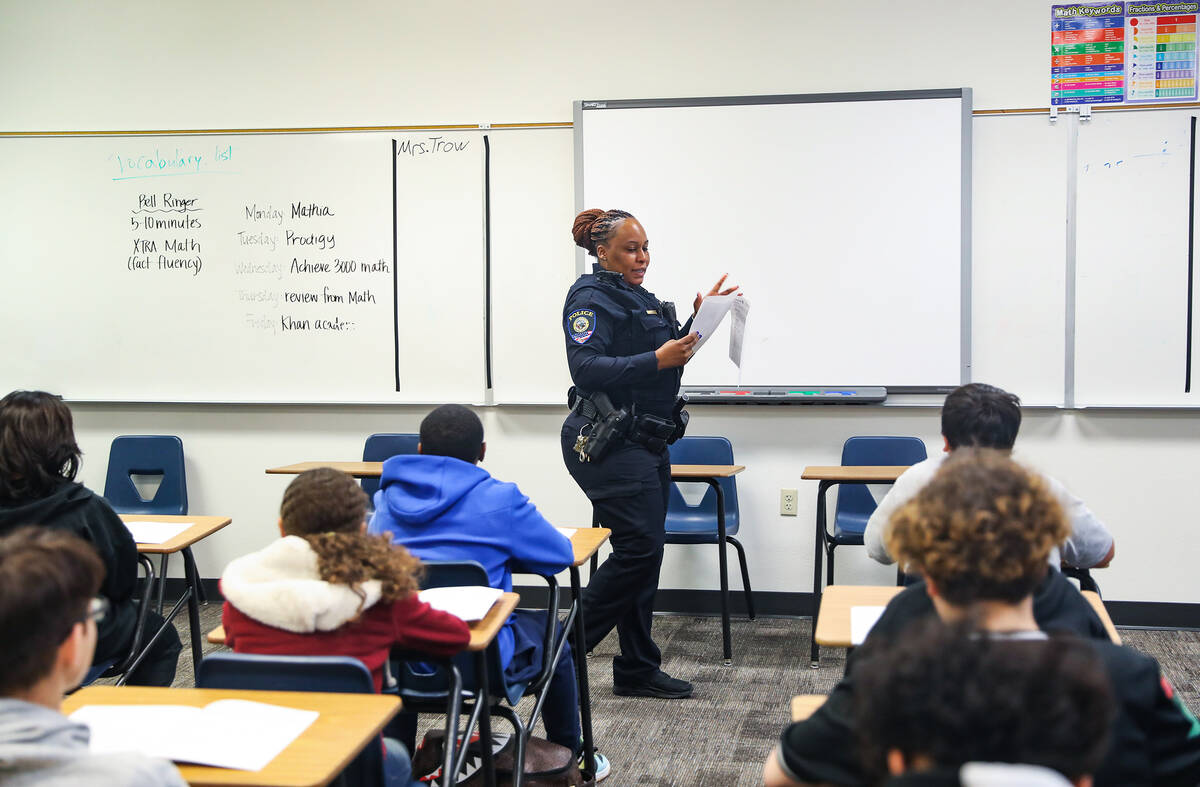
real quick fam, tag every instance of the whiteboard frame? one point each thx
(961, 94)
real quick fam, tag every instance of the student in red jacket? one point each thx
(328, 589)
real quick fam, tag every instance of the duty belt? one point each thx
(584, 407)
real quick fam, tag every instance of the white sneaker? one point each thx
(603, 766)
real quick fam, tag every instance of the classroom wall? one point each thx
(146, 65)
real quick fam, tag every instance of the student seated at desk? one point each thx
(943, 706)
(442, 506)
(38, 462)
(328, 589)
(48, 614)
(979, 533)
(984, 416)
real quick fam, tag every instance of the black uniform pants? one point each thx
(628, 490)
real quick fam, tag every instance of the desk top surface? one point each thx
(375, 469)
(805, 705)
(346, 723)
(586, 540)
(833, 621)
(202, 527)
(854, 473)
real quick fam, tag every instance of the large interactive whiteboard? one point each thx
(845, 217)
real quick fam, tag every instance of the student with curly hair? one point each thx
(39, 460)
(979, 534)
(328, 589)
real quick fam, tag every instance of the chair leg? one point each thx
(162, 580)
(745, 575)
(519, 736)
(726, 638)
(829, 563)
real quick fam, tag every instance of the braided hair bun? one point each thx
(595, 226)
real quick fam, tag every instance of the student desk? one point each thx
(346, 724)
(831, 476)
(482, 633)
(202, 527)
(805, 705)
(833, 630)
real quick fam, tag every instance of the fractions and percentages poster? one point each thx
(1123, 53)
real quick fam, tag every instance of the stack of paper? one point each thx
(469, 602)
(156, 532)
(226, 733)
(568, 532)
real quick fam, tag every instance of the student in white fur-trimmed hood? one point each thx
(328, 589)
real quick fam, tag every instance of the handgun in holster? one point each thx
(608, 428)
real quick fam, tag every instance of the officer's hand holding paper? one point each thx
(712, 312)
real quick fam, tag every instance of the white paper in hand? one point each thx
(737, 329)
(712, 311)
(469, 602)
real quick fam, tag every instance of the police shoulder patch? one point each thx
(580, 325)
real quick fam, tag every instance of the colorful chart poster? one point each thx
(1123, 53)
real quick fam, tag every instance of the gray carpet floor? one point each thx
(722, 735)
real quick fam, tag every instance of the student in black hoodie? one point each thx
(39, 459)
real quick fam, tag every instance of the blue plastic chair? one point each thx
(423, 690)
(854, 501)
(149, 455)
(382, 447)
(245, 671)
(698, 524)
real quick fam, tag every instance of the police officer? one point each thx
(626, 353)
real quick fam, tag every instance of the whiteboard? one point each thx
(844, 217)
(1132, 260)
(253, 267)
(1018, 284)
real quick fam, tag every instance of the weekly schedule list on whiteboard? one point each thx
(252, 267)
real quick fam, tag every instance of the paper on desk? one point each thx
(226, 733)
(568, 532)
(469, 602)
(862, 620)
(156, 532)
(737, 330)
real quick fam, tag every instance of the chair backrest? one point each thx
(132, 455)
(704, 451)
(889, 450)
(247, 671)
(383, 446)
(284, 673)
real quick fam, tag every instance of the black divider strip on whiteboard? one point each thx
(487, 261)
(1187, 384)
(794, 98)
(395, 273)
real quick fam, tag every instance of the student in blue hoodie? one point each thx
(441, 505)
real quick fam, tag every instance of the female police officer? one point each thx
(626, 354)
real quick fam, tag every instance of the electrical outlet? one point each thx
(787, 502)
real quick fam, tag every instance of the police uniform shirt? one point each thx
(612, 330)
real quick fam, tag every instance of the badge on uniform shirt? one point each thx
(581, 324)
